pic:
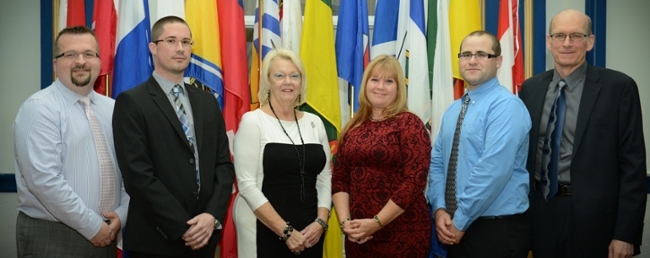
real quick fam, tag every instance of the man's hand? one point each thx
(620, 249)
(115, 224)
(443, 227)
(200, 231)
(103, 237)
(459, 234)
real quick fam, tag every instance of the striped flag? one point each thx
(236, 96)
(385, 31)
(205, 65)
(317, 53)
(133, 64)
(439, 48)
(265, 31)
(411, 50)
(291, 25)
(352, 53)
(511, 73)
(104, 25)
(464, 18)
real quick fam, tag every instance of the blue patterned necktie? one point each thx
(450, 187)
(182, 116)
(551, 151)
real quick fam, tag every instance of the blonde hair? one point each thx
(382, 65)
(269, 60)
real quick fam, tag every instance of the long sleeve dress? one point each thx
(381, 161)
(268, 170)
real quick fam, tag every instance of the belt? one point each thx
(562, 189)
(513, 216)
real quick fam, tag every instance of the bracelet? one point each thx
(322, 223)
(343, 222)
(378, 222)
(286, 233)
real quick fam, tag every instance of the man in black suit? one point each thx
(173, 152)
(598, 207)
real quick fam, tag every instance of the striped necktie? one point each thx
(182, 116)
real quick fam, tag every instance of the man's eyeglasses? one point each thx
(573, 36)
(73, 55)
(478, 55)
(172, 42)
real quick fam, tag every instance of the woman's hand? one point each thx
(312, 234)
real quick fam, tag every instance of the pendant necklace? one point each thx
(300, 164)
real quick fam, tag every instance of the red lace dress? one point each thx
(381, 161)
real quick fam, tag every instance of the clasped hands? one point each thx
(200, 231)
(108, 231)
(360, 230)
(446, 231)
(298, 241)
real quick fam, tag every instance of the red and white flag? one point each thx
(511, 73)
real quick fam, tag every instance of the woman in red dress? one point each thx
(381, 170)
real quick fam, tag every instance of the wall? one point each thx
(20, 77)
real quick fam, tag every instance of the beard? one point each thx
(80, 81)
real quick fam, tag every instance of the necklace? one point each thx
(301, 165)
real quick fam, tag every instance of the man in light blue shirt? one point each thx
(72, 202)
(483, 216)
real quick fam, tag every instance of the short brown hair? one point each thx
(496, 45)
(158, 26)
(73, 30)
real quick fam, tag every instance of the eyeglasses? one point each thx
(573, 36)
(172, 42)
(479, 55)
(282, 77)
(73, 55)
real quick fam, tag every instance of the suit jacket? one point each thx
(158, 167)
(608, 165)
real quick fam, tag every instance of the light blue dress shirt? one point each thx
(57, 170)
(491, 177)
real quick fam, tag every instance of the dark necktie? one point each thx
(450, 188)
(552, 144)
(182, 116)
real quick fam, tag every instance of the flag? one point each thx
(511, 73)
(164, 8)
(270, 38)
(291, 25)
(352, 53)
(205, 65)
(71, 13)
(236, 96)
(385, 31)
(411, 49)
(266, 33)
(104, 25)
(439, 48)
(319, 58)
(133, 64)
(464, 18)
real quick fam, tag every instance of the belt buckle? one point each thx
(563, 190)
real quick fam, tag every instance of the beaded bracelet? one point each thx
(322, 223)
(379, 222)
(343, 222)
(286, 233)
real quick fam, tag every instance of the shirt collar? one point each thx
(483, 89)
(573, 79)
(70, 96)
(167, 85)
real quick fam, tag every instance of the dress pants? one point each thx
(43, 238)
(494, 237)
(553, 227)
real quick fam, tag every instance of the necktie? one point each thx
(106, 169)
(182, 116)
(552, 142)
(450, 188)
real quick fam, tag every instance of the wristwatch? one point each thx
(217, 224)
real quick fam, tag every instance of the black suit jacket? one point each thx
(158, 167)
(608, 165)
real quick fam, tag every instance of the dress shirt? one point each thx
(572, 93)
(491, 177)
(167, 86)
(57, 169)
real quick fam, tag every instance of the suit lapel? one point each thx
(195, 101)
(160, 98)
(587, 102)
(538, 97)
